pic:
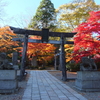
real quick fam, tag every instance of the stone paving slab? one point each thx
(43, 86)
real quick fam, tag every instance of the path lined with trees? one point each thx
(70, 16)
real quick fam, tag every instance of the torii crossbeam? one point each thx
(39, 33)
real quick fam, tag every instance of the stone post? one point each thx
(15, 58)
(55, 63)
(62, 60)
(23, 61)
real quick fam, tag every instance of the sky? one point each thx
(18, 13)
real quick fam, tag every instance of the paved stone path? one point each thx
(43, 86)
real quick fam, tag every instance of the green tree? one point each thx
(72, 14)
(45, 16)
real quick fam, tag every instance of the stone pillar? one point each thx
(15, 58)
(62, 60)
(55, 63)
(23, 61)
(34, 61)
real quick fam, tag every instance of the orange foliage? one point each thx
(68, 50)
(43, 51)
(6, 35)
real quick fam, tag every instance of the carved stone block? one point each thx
(88, 81)
(8, 81)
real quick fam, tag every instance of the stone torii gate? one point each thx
(45, 34)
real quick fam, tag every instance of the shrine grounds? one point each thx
(58, 74)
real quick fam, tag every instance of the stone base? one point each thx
(8, 84)
(88, 81)
(8, 90)
(16, 67)
(8, 81)
(87, 90)
(8, 74)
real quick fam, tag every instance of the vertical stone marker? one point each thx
(15, 60)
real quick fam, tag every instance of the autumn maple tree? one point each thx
(44, 52)
(86, 41)
(6, 42)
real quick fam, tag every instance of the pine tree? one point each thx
(45, 16)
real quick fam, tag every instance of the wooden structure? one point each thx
(39, 33)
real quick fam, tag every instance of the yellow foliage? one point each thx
(9, 55)
(68, 49)
(72, 14)
(66, 46)
(68, 59)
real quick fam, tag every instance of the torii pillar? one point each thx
(23, 61)
(62, 60)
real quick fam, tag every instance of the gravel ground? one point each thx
(17, 95)
(71, 83)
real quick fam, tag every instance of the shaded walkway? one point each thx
(43, 86)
